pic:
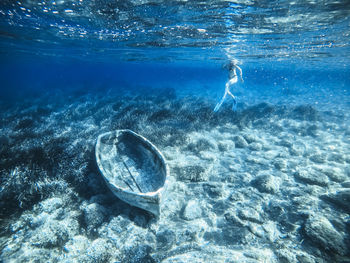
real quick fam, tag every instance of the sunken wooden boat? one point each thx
(134, 169)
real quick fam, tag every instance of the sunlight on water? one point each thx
(245, 29)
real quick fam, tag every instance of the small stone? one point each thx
(200, 145)
(192, 210)
(232, 218)
(286, 256)
(255, 146)
(305, 258)
(94, 215)
(140, 220)
(280, 164)
(255, 255)
(77, 245)
(51, 234)
(295, 152)
(270, 155)
(298, 148)
(322, 232)
(318, 158)
(266, 184)
(116, 226)
(286, 143)
(222, 147)
(256, 160)
(166, 239)
(213, 190)
(236, 197)
(99, 251)
(138, 253)
(250, 138)
(51, 204)
(250, 214)
(240, 142)
(312, 130)
(192, 173)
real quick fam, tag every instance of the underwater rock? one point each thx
(334, 173)
(192, 173)
(140, 220)
(312, 130)
(297, 149)
(286, 256)
(191, 231)
(312, 178)
(255, 146)
(250, 214)
(232, 218)
(115, 227)
(76, 246)
(266, 184)
(336, 157)
(94, 215)
(240, 142)
(346, 184)
(52, 234)
(341, 198)
(53, 226)
(256, 255)
(139, 253)
(165, 239)
(99, 251)
(293, 256)
(250, 138)
(305, 258)
(51, 204)
(323, 233)
(231, 230)
(280, 164)
(222, 147)
(286, 143)
(305, 112)
(318, 158)
(192, 210)
(213, 190)
(275, 209)
(256, 160)
(200, 145)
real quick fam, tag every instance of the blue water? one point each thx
(72, 69)
(282, 44)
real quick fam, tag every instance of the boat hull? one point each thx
(133, 168)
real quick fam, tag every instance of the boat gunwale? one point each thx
(150, 144)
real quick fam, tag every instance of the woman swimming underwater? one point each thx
(232, 67)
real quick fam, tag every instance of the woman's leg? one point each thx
(234, 106)
(217, 107)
